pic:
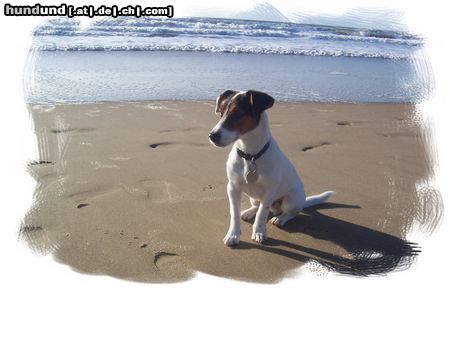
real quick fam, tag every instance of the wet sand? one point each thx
(134, 190)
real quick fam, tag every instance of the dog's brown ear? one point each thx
(221, 101)
(259, 101)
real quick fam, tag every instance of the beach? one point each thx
(134, 190)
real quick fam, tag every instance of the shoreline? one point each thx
(31, 104)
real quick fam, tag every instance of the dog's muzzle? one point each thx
(215, 137)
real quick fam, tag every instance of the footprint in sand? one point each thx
(344, 123)
(308, 148)
(348, 123)
(156, 145)
(208, 187)
(84, 196)
(174, 130)
(400, 134)
(152, 189)
(162, 259)
(175, 145)
(71, 130)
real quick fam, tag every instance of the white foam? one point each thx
(223, 36)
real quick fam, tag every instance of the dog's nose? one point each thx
(215, 137)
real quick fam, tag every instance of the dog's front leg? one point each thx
(234, 232)
(259, 233)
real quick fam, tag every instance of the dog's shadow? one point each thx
(369, 251)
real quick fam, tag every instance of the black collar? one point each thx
(250, 157)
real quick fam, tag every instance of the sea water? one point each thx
(129, 59)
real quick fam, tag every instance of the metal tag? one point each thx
(252, 173)
(251, 176)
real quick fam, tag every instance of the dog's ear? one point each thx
(221, 99)
(259, 101)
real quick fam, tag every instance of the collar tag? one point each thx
(252, 173)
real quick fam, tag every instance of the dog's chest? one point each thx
(237, 172)
(237, 169)
(255, 190)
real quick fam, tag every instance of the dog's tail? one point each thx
(317, 199)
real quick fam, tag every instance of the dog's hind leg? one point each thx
(249, 214)
(291, 205)
(282, 219)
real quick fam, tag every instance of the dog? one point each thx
(256, 166)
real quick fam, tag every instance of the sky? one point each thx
(360, 14)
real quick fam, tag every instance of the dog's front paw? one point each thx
(259, 237)
(231, 239)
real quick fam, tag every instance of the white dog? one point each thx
(256, 166)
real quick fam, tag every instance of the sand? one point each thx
(135, 191)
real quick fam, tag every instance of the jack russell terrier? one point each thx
(256, 166)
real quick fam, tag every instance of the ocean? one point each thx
(130, 59)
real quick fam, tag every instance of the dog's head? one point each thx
(240, 112)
